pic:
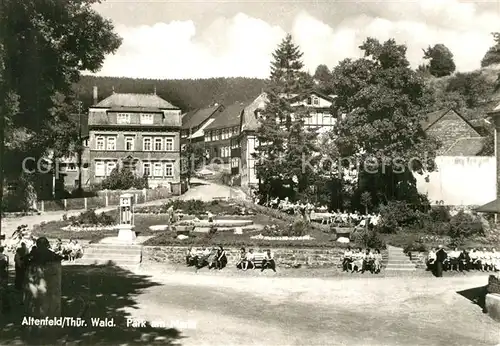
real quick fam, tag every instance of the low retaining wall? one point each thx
(494, 284)
(492, 305)
(285, 257)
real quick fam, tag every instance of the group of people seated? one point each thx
(360, 260)
(322, 214)
(216, 258)
(212, 258)
(247, 260)
(460, 260)
(71, 250)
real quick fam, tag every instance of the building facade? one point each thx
(139, 131)
(320, 118)
(218, 135)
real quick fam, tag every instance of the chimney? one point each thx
(95, 95)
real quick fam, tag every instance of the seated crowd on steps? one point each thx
(464, 260)
(216, 258)
(360, 260)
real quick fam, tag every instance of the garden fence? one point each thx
(105, 198)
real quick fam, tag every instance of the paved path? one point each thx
(203, 190)
(267, 310)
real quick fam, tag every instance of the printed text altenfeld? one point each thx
(67, 322)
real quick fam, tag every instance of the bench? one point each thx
(258, 259)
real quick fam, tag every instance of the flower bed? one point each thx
(88, 228)
(260, 236)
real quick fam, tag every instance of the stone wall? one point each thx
(285, 257)
(494, 284)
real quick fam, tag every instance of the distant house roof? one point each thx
(481, 126)
(122, 100)
(249, 121)
(196, 117)
(434, 117)
(466, 147)
(230, 116)
(491, 207)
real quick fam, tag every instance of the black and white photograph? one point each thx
(253, 172)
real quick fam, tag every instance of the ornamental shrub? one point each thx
(464, 225)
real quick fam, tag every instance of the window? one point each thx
(217, 135)
(99, 143)
(320, 118)
(109, 167)
(169, 169)
(157, 170)
(100, 170)
(146, 144)
(327, 119)
(314, 119)
(235, 162)
(146, 169)
(158, 144)
(123, 118)
(207, 137)
(147, 119)
(315, 101)
(111, 143)
(309, 101)
(169, 144)
(129, 143)
(236, 130)
(86, 143)
(71, 167)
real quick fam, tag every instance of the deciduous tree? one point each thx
(440, 60)
(492, 56)
(382, 99)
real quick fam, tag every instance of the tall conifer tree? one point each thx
(283, 139)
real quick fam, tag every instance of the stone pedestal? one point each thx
(126, 234)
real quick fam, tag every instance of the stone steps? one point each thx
(398, 261)
(118, 254)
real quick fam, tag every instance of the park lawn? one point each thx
(53, 230)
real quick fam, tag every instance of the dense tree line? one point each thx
(186, 94)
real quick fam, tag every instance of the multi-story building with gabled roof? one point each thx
(141, 131)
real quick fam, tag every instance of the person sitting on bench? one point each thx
(250, 258)
(191, 257)
(268, 261)
(431, 259)
(464, 261)
(243, 258)
(347, 259)
(454, 259)
(474, 259)
(368, 261)
(377, 263)
(221, 259)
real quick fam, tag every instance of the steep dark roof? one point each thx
(434, 117)
(119, 100)
(249, 121)
(466, 147)
(230, 116)
(196, 117)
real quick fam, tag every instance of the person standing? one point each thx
(20, 267)
(4, 279)
(441, 256)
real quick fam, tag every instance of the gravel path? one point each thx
(271, 310)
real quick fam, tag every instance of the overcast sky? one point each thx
(201, 39)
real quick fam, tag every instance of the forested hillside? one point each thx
(186, 94)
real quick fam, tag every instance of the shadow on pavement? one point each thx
(90, 292)
(476, 295)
